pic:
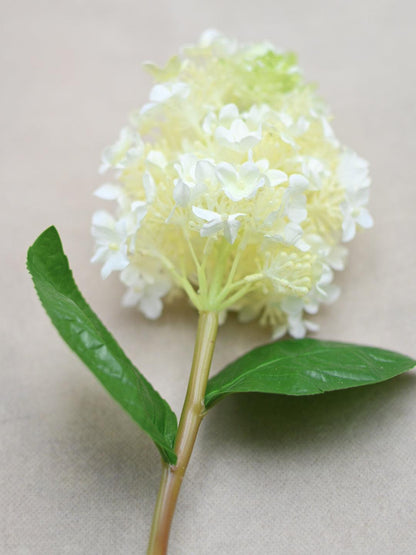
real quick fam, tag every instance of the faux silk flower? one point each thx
(229, 189)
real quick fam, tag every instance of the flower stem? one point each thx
(191, 417)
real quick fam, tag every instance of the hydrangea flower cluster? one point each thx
(231, 188)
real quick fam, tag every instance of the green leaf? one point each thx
(91, 341)
(305, 367)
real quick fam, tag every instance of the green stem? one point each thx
(218, 276)
(191, 417)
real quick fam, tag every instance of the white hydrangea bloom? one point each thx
(231, 188)
(145, 288)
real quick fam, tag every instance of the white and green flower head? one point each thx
(231, 189)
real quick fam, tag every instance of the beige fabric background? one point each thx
(333, 474)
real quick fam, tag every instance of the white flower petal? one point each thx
(209, 123)
(211, 228)
(160, 93)
(132, 277)
(311, 326)
(228, 113)
(292, 233)
(298, 183)
(115, 262)
(348, 228)
(204, 171)
(232, 225)
(156, 158)
(239, 130)
(279, 332)
(181, 193)
(139, 210)
(227, 174)
(204, 214)
(130, 298)
(296, 210)
(223, 136)
(149, 187)
(151, 307)
(276, 177)
(108, 191)
(99, 255)
(297, 328)
(353, 171)
(365, 219)
(248, 313)
(292, 305)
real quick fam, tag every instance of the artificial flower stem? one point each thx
(218, 276)
(191, 417)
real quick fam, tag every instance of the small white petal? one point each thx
(296, 210)
(209, 123)
(298, 183)
(130, 298)
(288, 140)
(248, 313)
(207, 215)
(181, 193)
(108, 192)
(156, 158)
(279, 331)
(99, 255)
(297, 328)
(365, 219)
(227, 174)
(132, 277)
(336, 257)
(181, 89)
(302, 245)
(159, 93)
(223, 135)
(151, 307)
(328, 131)
(101, 218)
(231, 228)
(149, 187)
(353, 171)
(208, 37)
(348, 228)
(311, 307)
(301, 126)
(332, 293)
(286, 119)
(204, 171)
(161, 288)
(292, 305)
(115, 262)
(311, 326)
(292, 233)
(239, 130)
(139, 209)
(276, 177)
(228, 113)
(211, 228)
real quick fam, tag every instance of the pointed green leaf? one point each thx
(305, 367)
(90, 340)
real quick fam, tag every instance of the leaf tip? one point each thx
(48, 235)
(47, 241)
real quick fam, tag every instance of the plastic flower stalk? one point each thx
(229, 188)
